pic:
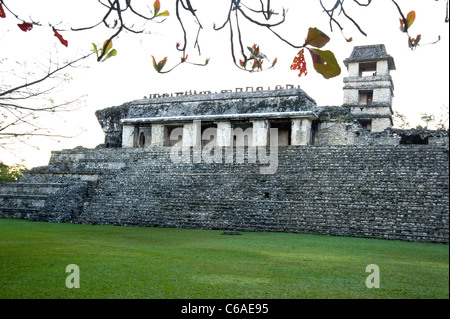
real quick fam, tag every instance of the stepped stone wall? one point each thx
(391, 192)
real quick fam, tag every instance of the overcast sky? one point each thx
(421, 78)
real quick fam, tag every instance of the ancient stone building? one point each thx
(255, 159)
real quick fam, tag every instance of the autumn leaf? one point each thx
(156, 7)
(414, 42)
(316, 38)
(60, 38)
(274, 62)
(25, 26)
(255, 49)
(325, 63)
(257, 56)
(299, 63)
(410, 18)
(257, 63)
(107, 46)
(2, 12)
(158, 66)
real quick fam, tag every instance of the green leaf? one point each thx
(316, 38)
(163, 14)
(95, 49)
(325, 63)
(111, 53)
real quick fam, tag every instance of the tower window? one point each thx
(367, 69)
(365, 97)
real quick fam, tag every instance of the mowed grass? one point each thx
(132, 262)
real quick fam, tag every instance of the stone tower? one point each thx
(368, 89)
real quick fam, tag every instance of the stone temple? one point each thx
(253, 159)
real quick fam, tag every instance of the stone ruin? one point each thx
(188, 160)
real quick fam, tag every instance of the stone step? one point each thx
(31, 188)
(18, 212)
(22, 201)
(57, 174)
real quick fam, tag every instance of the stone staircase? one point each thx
(380, 192)
(25, 199)
(58, 191)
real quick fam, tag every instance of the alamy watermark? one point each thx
(373, 280)
(236, 146)
(73, 280)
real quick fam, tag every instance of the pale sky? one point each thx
(421, 78)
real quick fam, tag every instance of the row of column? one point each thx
(300, 133)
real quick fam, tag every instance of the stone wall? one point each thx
(389, 192)
(288, 99)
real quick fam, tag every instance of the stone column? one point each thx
(192, 134)
(157, 134)
(260, 132)
(382, 67)
(353, 69)
(224, 134)
(301, 131)
(128, 135)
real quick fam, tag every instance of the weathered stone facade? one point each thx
(390, 192)
(176, 161)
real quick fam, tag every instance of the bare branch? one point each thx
(47, 76)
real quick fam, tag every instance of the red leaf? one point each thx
(60, 38)
(299, 63)
(274, 62)
(2, 12)
(156, 6)
(255, 50)
(25, 26)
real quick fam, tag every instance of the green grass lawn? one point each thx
(129, 262)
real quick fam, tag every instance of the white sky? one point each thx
(421, 80)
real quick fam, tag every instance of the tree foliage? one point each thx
(10, 173)
(120, 16)
(136, 17)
